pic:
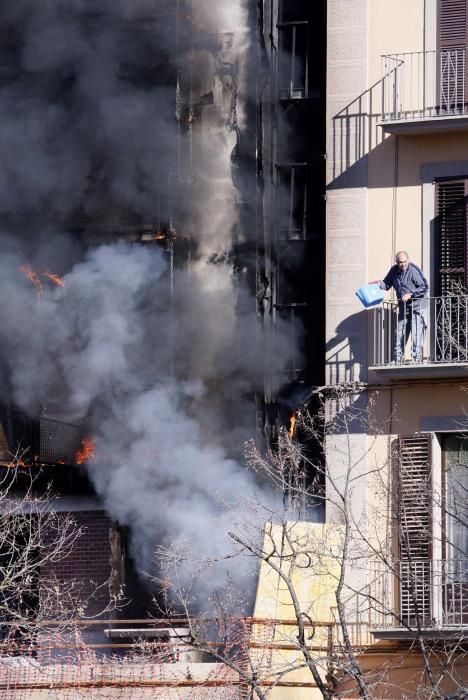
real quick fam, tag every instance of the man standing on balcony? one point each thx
(411, 289)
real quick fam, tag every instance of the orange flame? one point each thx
(32, 277)
(85, 452)
(35, 278)
(56, 279)
(292, 426)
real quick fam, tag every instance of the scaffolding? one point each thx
(158, 659)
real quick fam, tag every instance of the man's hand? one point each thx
(406, 297)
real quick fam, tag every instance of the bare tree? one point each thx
(34, 538)
(341, 578)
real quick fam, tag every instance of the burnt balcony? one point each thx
(40, 441)
(440, 325)
(425, 91)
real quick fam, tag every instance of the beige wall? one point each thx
(375, 193)
(397, 674)
(395, 194)
(394, 27)
(401, 408)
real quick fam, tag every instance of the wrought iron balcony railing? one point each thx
(433, 330)
(424, 85)
(404, 597)
(422, 593)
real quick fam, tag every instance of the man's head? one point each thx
(402, 260)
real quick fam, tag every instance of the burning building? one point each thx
(162, 209)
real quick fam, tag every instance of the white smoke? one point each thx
(163, 380)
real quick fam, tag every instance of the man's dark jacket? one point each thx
(411, 281)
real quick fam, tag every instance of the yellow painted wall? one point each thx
(314, 581)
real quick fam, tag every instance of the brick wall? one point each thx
(87, 567)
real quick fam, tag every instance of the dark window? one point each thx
(451, 237)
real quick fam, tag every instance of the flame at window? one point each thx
(86, 451)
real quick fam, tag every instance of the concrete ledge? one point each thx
(428, 633)
(425, 125)
(435, 370)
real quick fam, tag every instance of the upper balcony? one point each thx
(425, 91)
(441, 334)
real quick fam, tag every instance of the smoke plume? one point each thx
(160, 362)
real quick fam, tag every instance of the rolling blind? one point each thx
(452, 38)
(453, 18)
(414, 520)
(451, 236)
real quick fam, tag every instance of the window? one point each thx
(451, 236)
(451, 271)
(455, 464)
(432, 571)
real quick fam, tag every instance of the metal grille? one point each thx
(452, 81)
(59, 442)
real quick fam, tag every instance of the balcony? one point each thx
(430, 595)
(40, 441)
(406, 598)
(442, 324)
(425, 91)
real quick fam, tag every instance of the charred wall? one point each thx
(178, 185)
(291, 89)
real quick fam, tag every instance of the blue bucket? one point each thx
(370, 295)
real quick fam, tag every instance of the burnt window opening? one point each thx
(42, 452)
(134, 587)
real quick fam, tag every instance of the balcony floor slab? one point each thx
(425, 125)
(402, 633)
(426, 370)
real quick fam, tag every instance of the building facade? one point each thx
(397, 178)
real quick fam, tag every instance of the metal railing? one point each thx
(421, 331)
(424, 84)
(294, 60)
(427, 594)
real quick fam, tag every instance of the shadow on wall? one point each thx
(346, 351)
(359, 140)
(348, 415)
